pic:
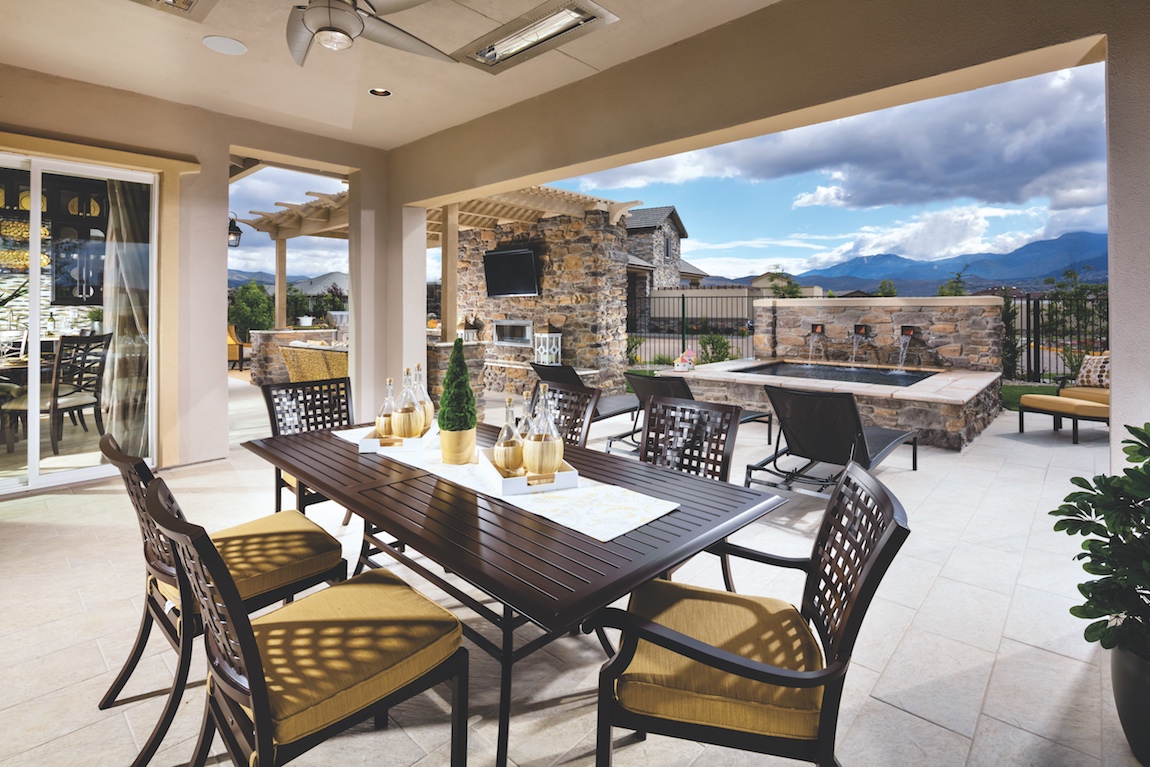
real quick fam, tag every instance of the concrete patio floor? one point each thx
(967, 657)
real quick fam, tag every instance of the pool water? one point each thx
(837, 373)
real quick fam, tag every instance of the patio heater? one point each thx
(548, 344)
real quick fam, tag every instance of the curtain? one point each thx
(126, 293)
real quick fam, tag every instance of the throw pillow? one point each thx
(1095, 371)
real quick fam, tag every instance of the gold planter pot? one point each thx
(458, 447)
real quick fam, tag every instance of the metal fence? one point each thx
(1052, 336)
(660, 328)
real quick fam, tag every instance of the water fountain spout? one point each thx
(858, 335)
(816, 332)
(904, 345)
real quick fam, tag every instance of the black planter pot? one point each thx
(1130, 676)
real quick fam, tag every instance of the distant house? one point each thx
(855, 294)
(317, 286)
(654, 259)
(767, 280)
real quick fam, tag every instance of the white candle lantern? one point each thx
(548, 344)
(467, 330)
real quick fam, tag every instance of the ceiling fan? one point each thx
(335, 24)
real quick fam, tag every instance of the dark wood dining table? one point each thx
(538, 571)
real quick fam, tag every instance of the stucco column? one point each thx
(367, 289)
(1128, 146)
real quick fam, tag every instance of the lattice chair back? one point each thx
(158, 555)
(690, 436)
(294, 408)
(79, 365)
(573, 408)
(820, 426)
(237, 679)
(863, 528)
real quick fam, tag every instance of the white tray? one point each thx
(566, 477)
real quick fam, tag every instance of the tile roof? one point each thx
(650, 218)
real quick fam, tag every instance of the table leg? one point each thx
(506, 662)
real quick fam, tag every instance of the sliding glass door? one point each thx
(76, 287)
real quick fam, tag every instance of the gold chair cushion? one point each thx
(1090, 393)
(1053, 405)
(341, 649)
(662, 683)
(270, 552)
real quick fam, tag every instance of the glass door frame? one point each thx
(37, 167)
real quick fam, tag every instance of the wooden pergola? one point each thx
(327, 216)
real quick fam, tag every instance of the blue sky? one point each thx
(985, 171)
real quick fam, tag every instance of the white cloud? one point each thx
(1039, 137)
(434, 264)
(695, 246)
(734, 266)
(830, 196)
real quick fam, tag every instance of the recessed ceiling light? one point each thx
(226, 45)
(382, 92)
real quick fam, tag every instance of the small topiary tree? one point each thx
(457, 405)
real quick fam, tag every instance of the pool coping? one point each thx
(949, 386)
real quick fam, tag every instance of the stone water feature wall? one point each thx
(948, 332)
(583, 292)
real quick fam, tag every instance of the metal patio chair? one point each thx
(822, 428)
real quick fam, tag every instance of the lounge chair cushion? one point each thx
(318, 673)
(1094, 373)
(1076, 408)
(664, 684)
(271, 552)
(1090, 393)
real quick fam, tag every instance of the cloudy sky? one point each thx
(981, 172)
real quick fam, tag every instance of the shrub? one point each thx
(714, 348)
(662, 359)
(633, 344)
(250, 308)
(457, 405)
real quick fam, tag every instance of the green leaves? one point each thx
(1112, 513)
(457, 404)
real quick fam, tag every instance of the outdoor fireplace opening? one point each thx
(513, 332)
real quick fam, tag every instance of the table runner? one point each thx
(596, 509)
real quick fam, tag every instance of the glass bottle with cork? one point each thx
(383, 420)
(508, 451)
(424, 398)
(407, 418)
(543, 447)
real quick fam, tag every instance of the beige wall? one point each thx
(193, 265)
(803, 61)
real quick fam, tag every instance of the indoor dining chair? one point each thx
(271, 559)
(286, 681)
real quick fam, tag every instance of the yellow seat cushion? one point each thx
(342, 649)
(1080, 408)
(1090, 393)
(664, 684)
(270, 552)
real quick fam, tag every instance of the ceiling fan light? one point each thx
(333, 39)
(333, 23)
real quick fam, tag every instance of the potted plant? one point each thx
(1113, 514)
(96, 318)
(457, 410)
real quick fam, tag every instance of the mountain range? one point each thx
(1026, 268)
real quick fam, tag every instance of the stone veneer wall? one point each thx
(651, 246)
(959, 332)
(583, 291)
(438, 355)
(947, 426)
(267, 364)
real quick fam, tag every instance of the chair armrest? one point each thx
(635, 627)
(735, 550)
(1064, 381)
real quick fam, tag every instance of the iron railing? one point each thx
(660, 328)
(1054, 335)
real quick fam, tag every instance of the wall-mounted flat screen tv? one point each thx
(512, 272)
